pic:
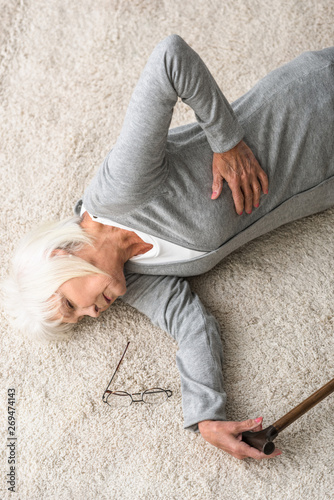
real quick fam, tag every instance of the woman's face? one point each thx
(88, 295)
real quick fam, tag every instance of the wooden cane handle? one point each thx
(262, 440)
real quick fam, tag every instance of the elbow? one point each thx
(174, 40)
(172, 44)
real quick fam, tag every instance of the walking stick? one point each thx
(263, 440)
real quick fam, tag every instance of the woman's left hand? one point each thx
(245, 177)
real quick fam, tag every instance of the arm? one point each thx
(137, 165)
(170, 304)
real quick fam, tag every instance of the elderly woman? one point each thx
(156, 211)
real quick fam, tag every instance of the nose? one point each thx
(92, 311)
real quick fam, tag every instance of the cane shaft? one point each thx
(305, 406)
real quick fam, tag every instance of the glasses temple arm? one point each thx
(127, 345)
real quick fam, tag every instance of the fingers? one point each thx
(246, 425)
(256, 193)
(238, 197)
(254, 180)
(217, 184)
(244, 175)
(262, 176)
(258, 428)
(245, 451)
(246, 192)
(248, 197)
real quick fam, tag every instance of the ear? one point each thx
(59, 251)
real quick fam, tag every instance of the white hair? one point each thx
(36, 274)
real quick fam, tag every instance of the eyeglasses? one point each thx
(119, 399)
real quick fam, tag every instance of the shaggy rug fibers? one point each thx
(67, 72)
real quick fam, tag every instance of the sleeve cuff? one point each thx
(222, 143)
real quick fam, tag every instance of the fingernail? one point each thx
(249, 212)
(257, 420)
(213, 195)
(266, 191)
(256, 206)
(277, 454)
(240, 213)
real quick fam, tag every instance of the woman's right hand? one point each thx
(228, 437)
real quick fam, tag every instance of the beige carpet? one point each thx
(67, 72)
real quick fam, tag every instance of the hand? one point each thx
(243, 174)
(227, 436)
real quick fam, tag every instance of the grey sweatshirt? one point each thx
(159, 181)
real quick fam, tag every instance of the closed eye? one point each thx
(69, 305)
